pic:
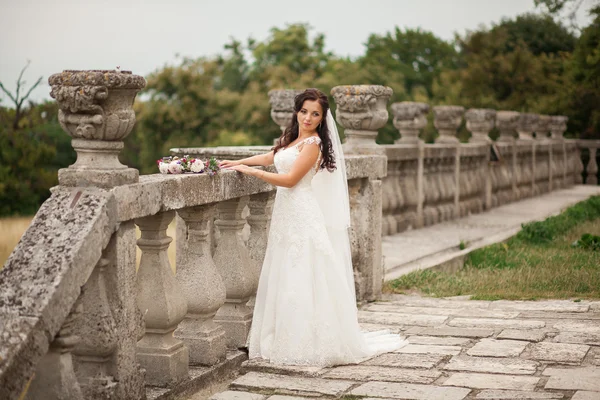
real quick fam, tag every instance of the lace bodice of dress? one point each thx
(284, 159)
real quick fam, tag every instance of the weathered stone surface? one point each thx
(231, 395)
(527, 335)
(463, 312)
(461, 332)
(440, 341)
(516, 395)
(514, 366)
(559, 315)
(496, 323)
(417, 301)
(400, 319)
(558, 352)
(592, 327)
(551, 305)
(584, 378)
(279, 397)
(585, 395)
(578, 338)
(375, 373)
(407, 391)
(283, 384)
(429, 349)
(492, 381)
(497, 348)
(406, 360)
(258, 365)
(365, 327)
(593, 356)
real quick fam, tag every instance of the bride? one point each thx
(305, 311)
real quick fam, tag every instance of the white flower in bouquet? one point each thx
(163, 167)
(175, 167)
(196, 166)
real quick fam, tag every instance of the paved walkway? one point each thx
(439, 244)
(458, 349)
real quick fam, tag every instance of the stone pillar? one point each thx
(542, 129)
(506, 122)
(362, 110)
(95, 109)
(94, 355)
(202, 287)
(282, 106)
(579, 167)
(447, 120)
(480, 121)
(592, 168)
(409, 119)
(162, 303)
(558, 126)
(54, 377)
(234, 264)
(527, 125)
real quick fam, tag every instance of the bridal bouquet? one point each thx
(176, 165)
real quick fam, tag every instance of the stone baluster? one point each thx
(480, 121)
(94, 355)
(592, 168)
(162, 302)
(542, 129)
(361, 110)
(447, 120)
(579, 167)
(282, 106)
(260, 206)
(235, 266)
(55, 377)
(202, 287)
(506, 122)
(95, 109)
(527, 125)
(558, 126)
(409, 119)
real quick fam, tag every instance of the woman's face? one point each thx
(310, 115)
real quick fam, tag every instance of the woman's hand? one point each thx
(228, 163)
(244, 169)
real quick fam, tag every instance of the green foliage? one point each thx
(588, 241)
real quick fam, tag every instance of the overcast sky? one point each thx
(143, 35)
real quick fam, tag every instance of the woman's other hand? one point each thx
(228, 163)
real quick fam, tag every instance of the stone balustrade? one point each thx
(588, 150)
(80, 321)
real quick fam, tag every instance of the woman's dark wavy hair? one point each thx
(291, 132)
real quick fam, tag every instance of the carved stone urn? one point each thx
(480, 121)
(96, 110)
(409, 118)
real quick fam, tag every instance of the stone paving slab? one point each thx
(376, 373)
(496, 323)
(511, 366)
(584, 395)
(558, 352)
(460, 332)
(400, 318)
(586, 378)
(463, 312)
(231, 395)
(492, 381)
(560, 315)
(530, 335)
(578, 338)
(407, 391)
(497, 348)
(406, 360)
(440, 341)
(429, 349)
(292, 384)
(557, 306)
(516, 395)
(592, 327)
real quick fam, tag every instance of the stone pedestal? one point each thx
(202, 288)
(162, 303)
(542, 130)
(95, 109)
(282, 106)
(361, 110)
(480, 121)
(506, 122)
(558, 126)
(447, 120)
(409, 119)
(527, 125)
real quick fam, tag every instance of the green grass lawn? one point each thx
(540, 262)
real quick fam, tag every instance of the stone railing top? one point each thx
(109, 78)
(42, 278)
(586, 143)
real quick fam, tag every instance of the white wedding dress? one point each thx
(305, 311)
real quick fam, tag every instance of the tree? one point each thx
(17, 98)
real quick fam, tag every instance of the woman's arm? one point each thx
(306, 160)
(261, 159)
